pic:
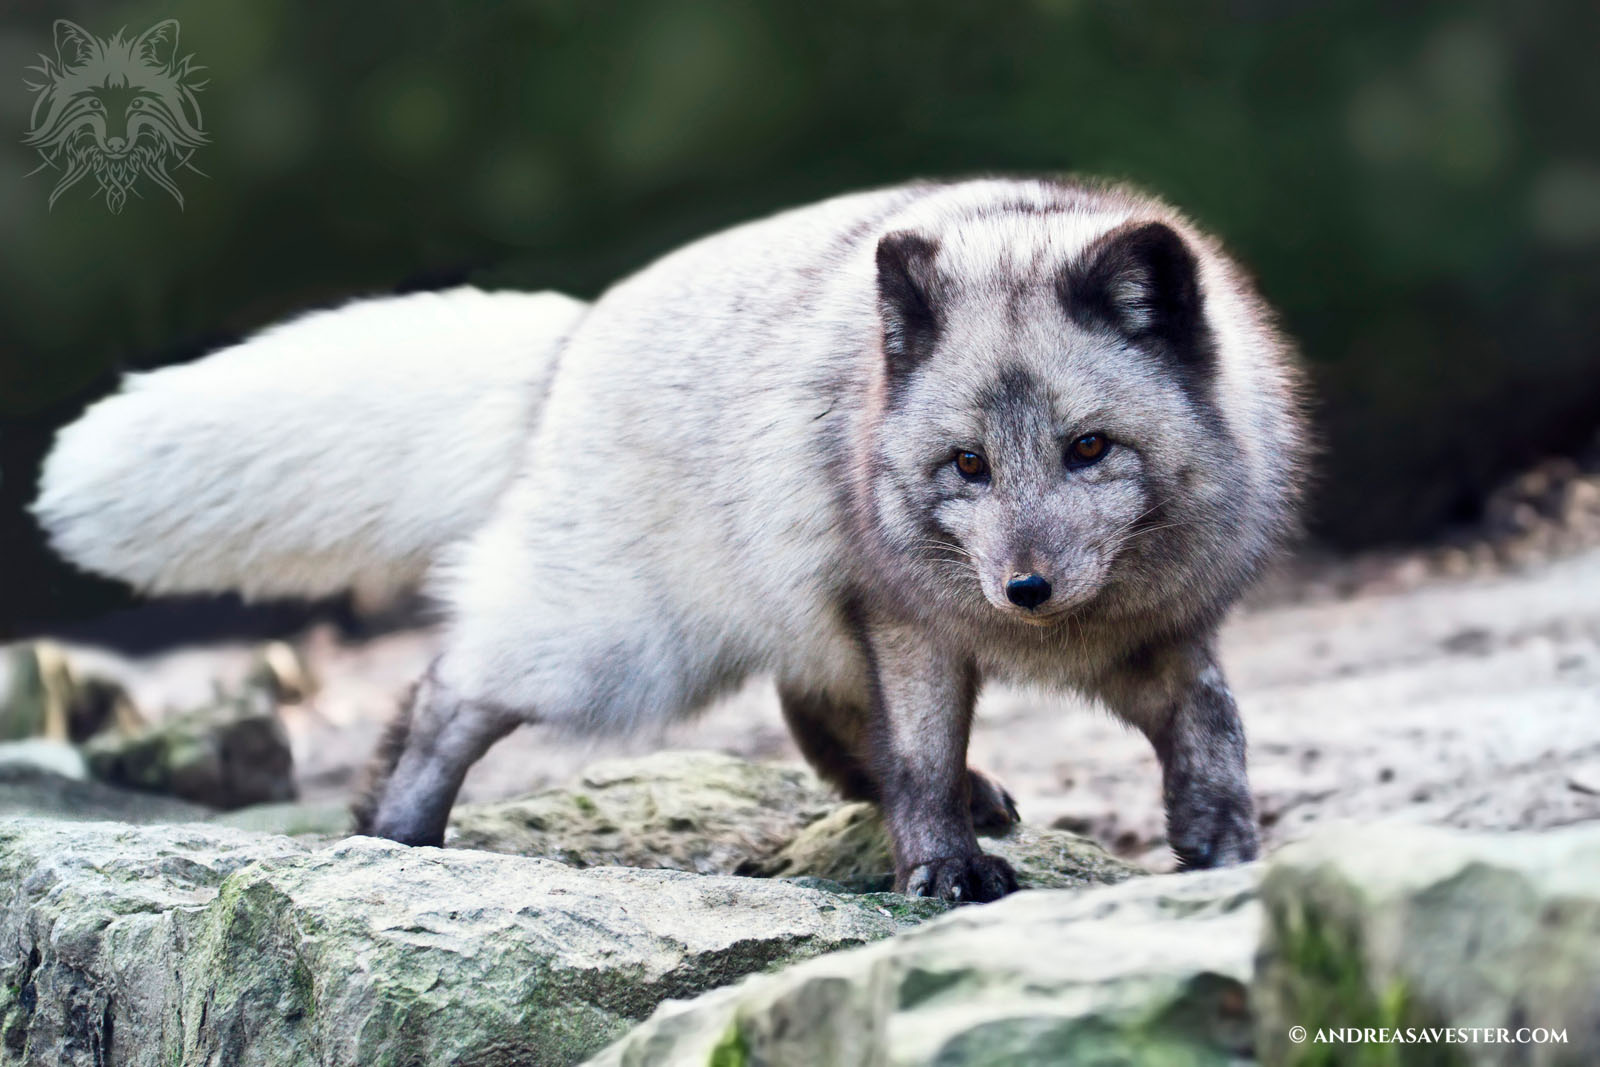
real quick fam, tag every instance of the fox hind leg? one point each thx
(423, 759)
(828, 734)
(994, 809)
(831, 736)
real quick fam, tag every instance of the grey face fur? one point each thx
(1015, 369)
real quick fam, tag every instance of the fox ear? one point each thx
(159, 44)
(1144, 282)
(906, 299)
(74, 44)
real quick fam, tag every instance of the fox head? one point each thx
(119, 109)
(1058, 434)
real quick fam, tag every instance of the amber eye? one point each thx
(972, 466)
(1090, 448)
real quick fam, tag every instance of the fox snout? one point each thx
(1028, 590)
(1042, 589)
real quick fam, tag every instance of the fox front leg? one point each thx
(1177, 695)
(920, 719)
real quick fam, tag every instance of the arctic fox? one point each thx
(884, 448)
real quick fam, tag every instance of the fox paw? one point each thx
(1218, 833)
(994, 811)
(974, 879)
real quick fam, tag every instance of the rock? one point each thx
(1155, 970)
(850, 846)
(56, 757)
(1381, 926)
(95, 925)
(716, 814)
(227, 755)
(33, 790)
(691, 811)
(202, 944)
(1406, 926)
(326, 820)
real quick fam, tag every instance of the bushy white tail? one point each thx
(341, 450)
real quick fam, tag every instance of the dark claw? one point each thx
(1194, 857)
(975, 879)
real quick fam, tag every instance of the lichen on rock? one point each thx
(690, 811)
(851, 846)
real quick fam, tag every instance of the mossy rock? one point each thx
(1400, 926)
(149, 946)
(1152, 971)
(851, 846)
(690, 811)
(229, 754)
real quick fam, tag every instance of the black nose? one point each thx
(1028, 591)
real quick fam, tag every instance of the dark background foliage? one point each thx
(1417, 187)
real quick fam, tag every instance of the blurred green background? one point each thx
(1417, 186)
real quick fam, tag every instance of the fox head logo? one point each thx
(118, 109)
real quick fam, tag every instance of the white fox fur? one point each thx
(338, 450)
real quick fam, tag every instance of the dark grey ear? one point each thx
(1142, 281)
(906, 299)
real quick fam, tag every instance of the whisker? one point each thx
(1130, 535)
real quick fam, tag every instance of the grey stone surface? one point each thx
(40, 754)
(209, 945)
(224, 944)
(324, 821)
(1153, 971)
(28, 789)
(1404, 927)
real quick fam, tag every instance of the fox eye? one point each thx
(1090, 448)
(971, 466)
